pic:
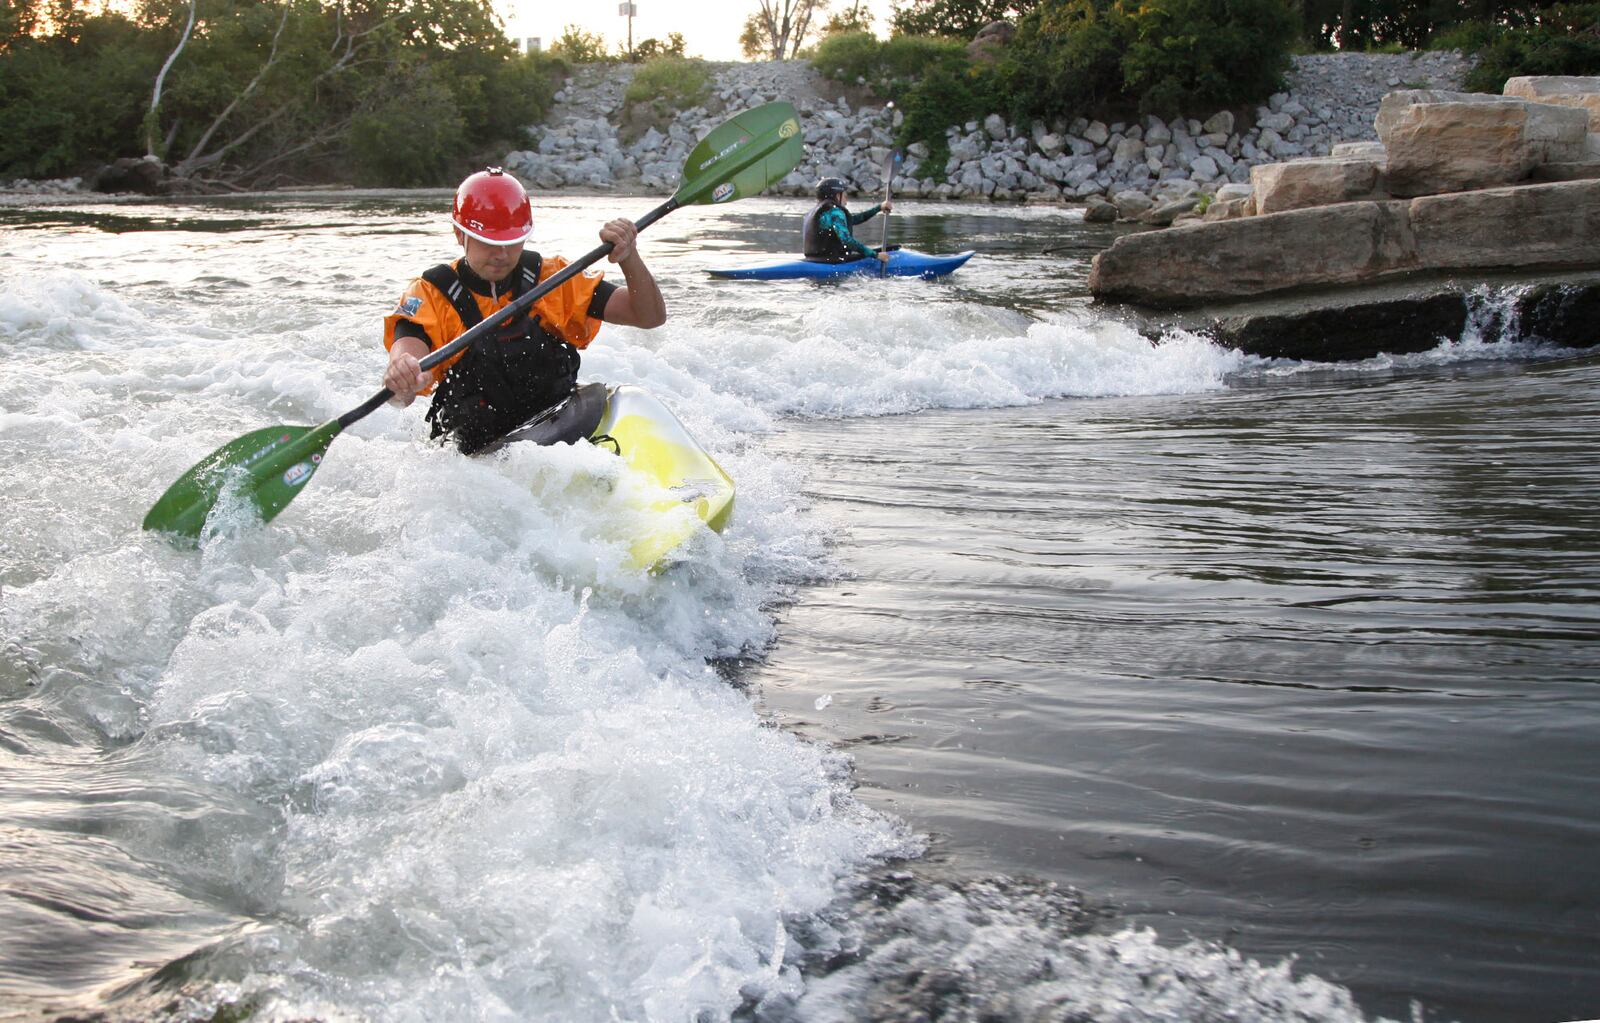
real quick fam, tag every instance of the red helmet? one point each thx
(493, 207)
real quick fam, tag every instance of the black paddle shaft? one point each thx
(504, 314)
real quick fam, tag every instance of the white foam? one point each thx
(62, 311)
(907, 357)
(1005, 949)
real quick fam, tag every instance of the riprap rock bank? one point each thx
(593, 139)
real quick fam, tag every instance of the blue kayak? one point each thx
(902, 263)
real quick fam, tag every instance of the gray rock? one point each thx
(1131, 203)
(1098, 211)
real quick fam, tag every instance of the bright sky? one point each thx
(710, 28)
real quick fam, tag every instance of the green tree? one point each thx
(855, 18)
(653, 48)
(956, 18)
(579, 47)
(419, 107)
(778, 30)
(269, 90)
(1198, 54)
(1561, 40)
(71, 101)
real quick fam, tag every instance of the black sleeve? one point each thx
(405, 328)
(602, 295)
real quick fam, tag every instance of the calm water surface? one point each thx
(1114, 681)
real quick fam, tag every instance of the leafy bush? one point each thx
(949, 92)
(499, 96)
(1468, 37)
(848, 56)
(1188, 54)
(904, 58)
(930, 79)
(958, 19)
(676, 82)
(894, 68)
(653, 48)
(1067, 57)
(411, 136)
(71, 103)
(579, 47)
(1563, 40)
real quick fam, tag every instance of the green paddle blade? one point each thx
(743, 156)
(264, 470)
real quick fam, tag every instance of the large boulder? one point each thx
(1230, 209)
(1373, 151)
(1132, 203)
(1319, 181)
(1554, 225)
(146, 175)
(1353, 329)
(1396, 103)
(1482, 142)
(1251, 256)
(1525, 227)
(1562, 90)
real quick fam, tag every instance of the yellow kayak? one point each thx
(683, 489)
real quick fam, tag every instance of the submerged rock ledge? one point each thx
(1398, 317)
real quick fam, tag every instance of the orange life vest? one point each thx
(564, 312)
(511, 375)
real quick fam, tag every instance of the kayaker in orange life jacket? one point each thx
(498, 383)
(827, 227)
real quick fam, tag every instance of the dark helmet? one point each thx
(830, 187)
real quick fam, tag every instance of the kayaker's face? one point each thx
(491, 262)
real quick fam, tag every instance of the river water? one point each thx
(1044, 674)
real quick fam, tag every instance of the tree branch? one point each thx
(155, 95)
(271, 61)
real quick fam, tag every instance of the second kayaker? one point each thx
(827, 228)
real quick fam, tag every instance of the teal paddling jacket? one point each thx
(827, 233)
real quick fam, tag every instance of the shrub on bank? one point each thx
(1563, 39)
(67, 101)
(575, 46)
(929, 78)
(860, 57)
(676, 82)
(1070, 57)
(1202, 55)
(849, 57)
(420, 108)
